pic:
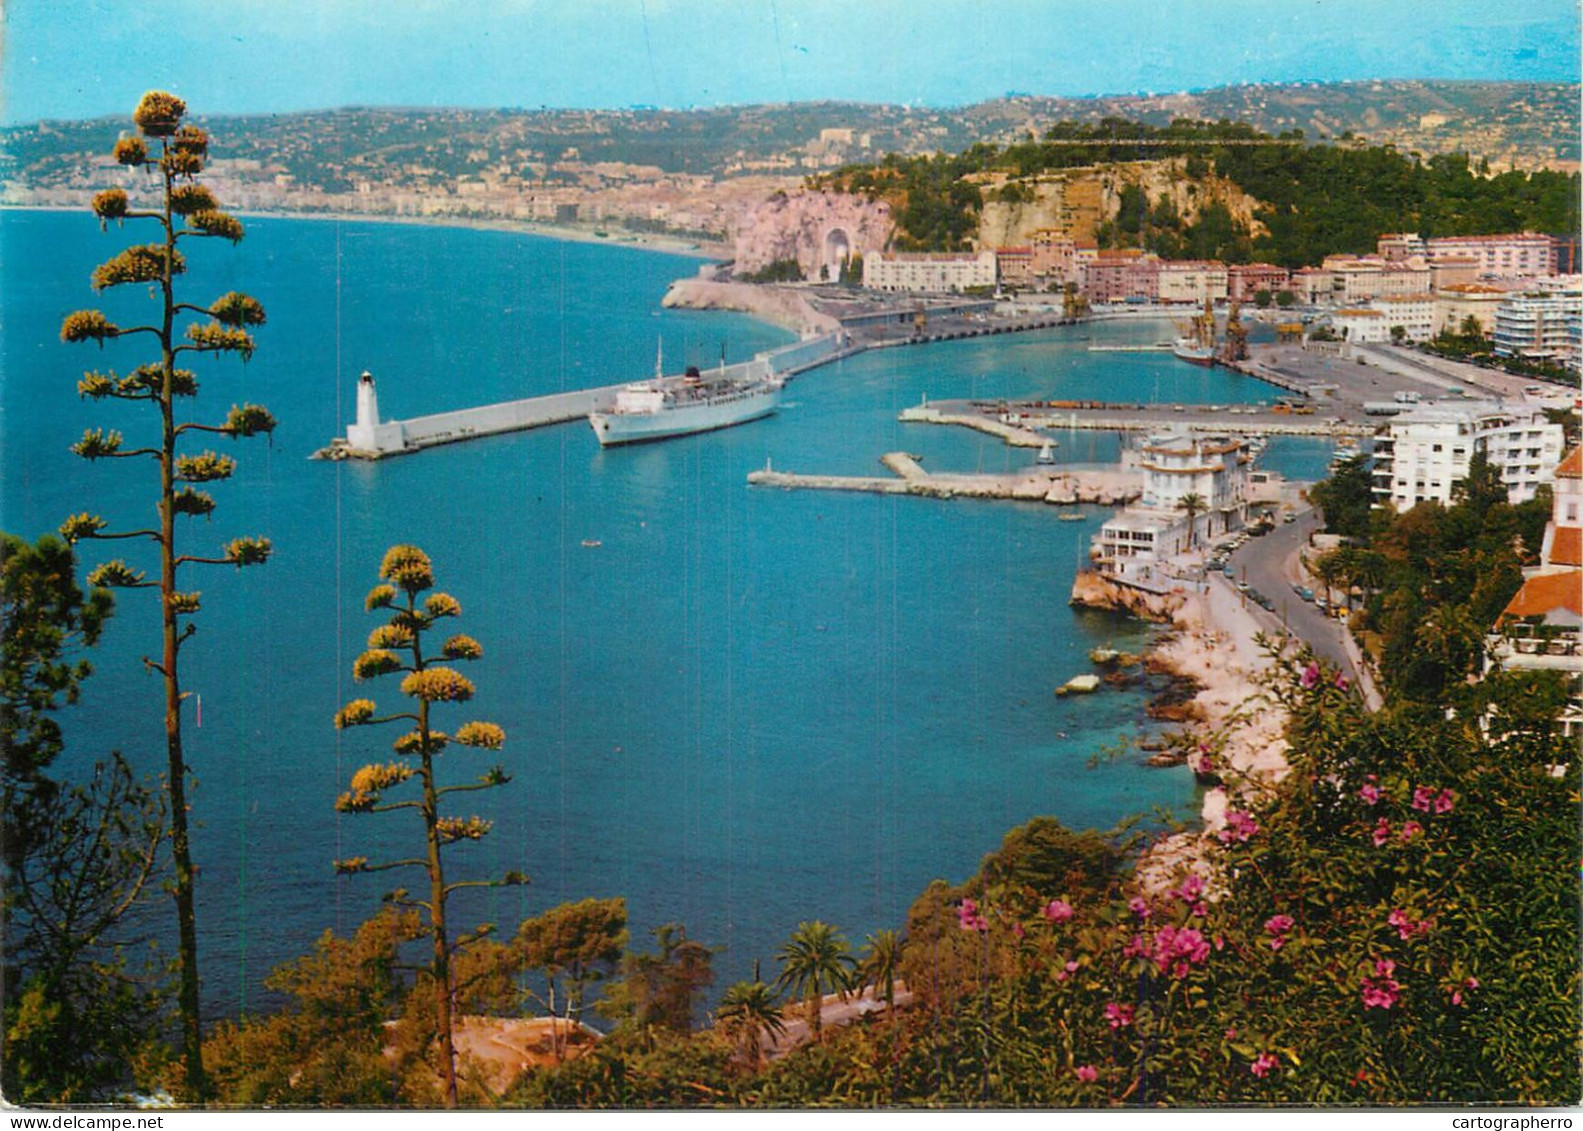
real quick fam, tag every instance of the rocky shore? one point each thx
(778, 305)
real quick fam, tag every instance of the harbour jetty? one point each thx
(372, 437)
(1022, 417)
(1041, 484)
(1014, 434)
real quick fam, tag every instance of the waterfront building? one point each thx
(1312, 285)
(1360, 324)
(1359, 278)
(1540, 327)
(1414, 313)
(928, 272)
(1423, 453)
(1119, 276)
(1244, 280)
(1135, 540)
(1057, 256)
(1456, 303)
(1509, 256)
(1191, 281)
(1539, 628)
(1015, 265)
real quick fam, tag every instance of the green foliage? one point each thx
(659, 991)
(778, 271)
(1346, 498)
(815, 960)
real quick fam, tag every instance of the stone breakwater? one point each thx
(1014, 435)
(1040, 485)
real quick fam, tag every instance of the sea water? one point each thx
(737, 707)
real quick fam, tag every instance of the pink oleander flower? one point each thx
(1066, 971)
(1058, 911)
(1381, 991)
(1016, 929)
(1276, 926)
(1445, 801)
(1263, 1064)
(1410, 829)
(1310, 676)
(1341, 682)
(1369, 792)
(1240, 827)
(1424, 798)
(968, 918)
(1119, 1016)
(1140, 907)
(1087, 1073)
(1136, 945)
(1200, 909)
(1231, 1033)
(1382, 832)
(1191, 888)
(1456, 994)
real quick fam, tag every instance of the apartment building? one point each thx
(928, 273)
(1192, 281)
(1421, 455)
(1540, 327)
(1509, 256)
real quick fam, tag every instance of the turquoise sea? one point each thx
(742, 709)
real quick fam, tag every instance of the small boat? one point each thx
(1079, 685)
(1046, 453)
(1070, 516)
(591, 543)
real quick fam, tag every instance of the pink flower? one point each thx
(1263, 1065)
(1309, 677)
(1066, 972)
(1016, 929)
(1424, 798)
(1139, 907)
(1410, 829)
(1136, 946)
(1277, 926)
(968, 918)
(1382, 832)
(1231, 1033)
(1382, 991)
(1239, 827)
(1200, 909)
(1369, 792)
(1341, 681)
(1119, 1016)
(1456, 994)
(1087, 1073)
(1445, 801)
(1191, 889)
(1058, 911)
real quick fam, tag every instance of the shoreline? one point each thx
(668, 245)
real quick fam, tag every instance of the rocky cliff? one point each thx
(1093, 590)
(817, 229)
(780, 305)
(1077, 201)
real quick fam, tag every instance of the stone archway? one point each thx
(834, 253)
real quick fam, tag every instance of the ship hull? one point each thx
(616, 428)
(1205, 358)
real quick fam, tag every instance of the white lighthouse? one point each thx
(367, 434)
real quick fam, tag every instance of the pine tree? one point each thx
(184, 210)
(405, 574)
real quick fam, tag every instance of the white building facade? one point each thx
(928, 273)
(1540, 327)
(1423, 453)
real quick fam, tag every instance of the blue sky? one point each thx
(82, 58)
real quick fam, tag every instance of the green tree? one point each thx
(658, 991)
(184, 210)
(581, 942)
(405, 574)
(1285, 299)
(1192, 504)
(1262, 298)
(748, 1013)
(814, 960)
(1346, 498)
(880, 964)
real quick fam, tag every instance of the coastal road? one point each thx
(1262, 562)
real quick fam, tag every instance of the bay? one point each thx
(741, 709)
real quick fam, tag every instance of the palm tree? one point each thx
(879, 965)
(1193, 503)
(814, 959)
(747, 1012)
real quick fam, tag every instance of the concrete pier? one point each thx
(1244, 420)
(370, 437)
(1016, 435)
(1039, 484)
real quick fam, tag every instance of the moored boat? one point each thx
(661, 408)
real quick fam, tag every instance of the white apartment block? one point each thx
(1360, 324)
(1415, 314)
(1192, 281)
(1509, 256)
(928, 273)
(1458, 302)
(1540, 327)
(1420, 455)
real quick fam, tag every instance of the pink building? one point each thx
(1244, 280)
(1520, 254)
(1116, 276)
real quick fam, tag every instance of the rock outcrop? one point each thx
(817, 229)
(780, 305)
(1093, 590)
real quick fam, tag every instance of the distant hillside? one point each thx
(1526, 124)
